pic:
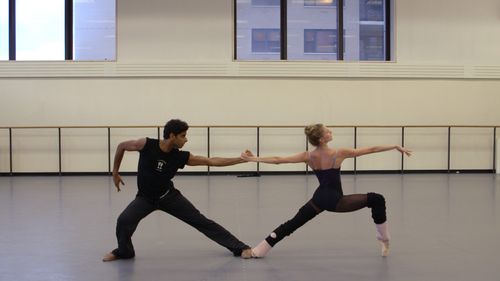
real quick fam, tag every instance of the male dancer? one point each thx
(159, 161)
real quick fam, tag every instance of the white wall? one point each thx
(448, 32)
(446, 72)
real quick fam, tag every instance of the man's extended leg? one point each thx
(178, 206)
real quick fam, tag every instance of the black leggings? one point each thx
(178, 206)
(348, 203)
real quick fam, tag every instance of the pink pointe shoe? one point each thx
(383, 236)
(261, 250)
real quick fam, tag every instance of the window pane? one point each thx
(312, 30)
(4, 29)
(40, 30)
(365, 30)
(257, 31)
(371, 42)
(371, 10)
(94, 30)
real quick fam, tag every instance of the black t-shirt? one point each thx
(156, 168)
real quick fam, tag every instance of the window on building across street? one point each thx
(320, 41)
(266, 40)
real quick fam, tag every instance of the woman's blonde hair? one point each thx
(314, 133)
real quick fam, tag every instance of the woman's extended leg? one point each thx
(305, 214)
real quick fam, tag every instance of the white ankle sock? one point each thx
(261, 249)
(383, 232)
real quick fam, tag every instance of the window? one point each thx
(309, 31)
(320, 41)
(94, 30)
(45, 30)
(351, 30)
(257, 31)
(4, 29)
(371, 44)
(366, 37)
(266, 40)
(40, 30)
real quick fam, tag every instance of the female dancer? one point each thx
(326, 162)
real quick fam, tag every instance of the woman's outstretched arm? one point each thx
(350, 153)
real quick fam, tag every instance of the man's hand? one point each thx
(247, 155)
(117, 180)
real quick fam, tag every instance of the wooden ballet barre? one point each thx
(245, 126)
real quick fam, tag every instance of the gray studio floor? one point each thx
(444, 227)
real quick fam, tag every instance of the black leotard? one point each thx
(329, 191)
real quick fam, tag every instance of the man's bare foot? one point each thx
(246, 254)
(109, 257)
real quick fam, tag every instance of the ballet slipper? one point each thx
(385, 248)
(109, 257)
(261, 249)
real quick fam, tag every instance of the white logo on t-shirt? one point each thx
(159, 165)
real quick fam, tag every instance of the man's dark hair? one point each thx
(175, 126)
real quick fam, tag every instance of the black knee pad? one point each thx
(376, 202)
(375, 199)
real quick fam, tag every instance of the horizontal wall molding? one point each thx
(22, 69)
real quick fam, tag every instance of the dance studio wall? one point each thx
(166, 47)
